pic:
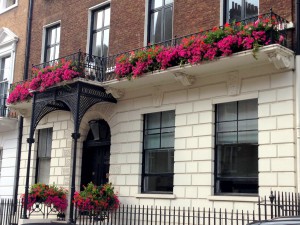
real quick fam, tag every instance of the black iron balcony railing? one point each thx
(3, 108)
(102, 69)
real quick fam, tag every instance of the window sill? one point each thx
(232, 198)
(157, 196)
(8, 8)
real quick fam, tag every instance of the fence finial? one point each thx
(271, 197)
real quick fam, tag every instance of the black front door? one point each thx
(95, 165)
(95, 159)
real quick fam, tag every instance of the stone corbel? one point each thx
(233, 83)
(23, 112)
(116, 93)
(157, 97)
(281, 59)
(184, 79)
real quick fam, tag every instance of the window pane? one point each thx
(52, 46)
(155, 30)
(227, 126)
(251, 8)
(158, 184)
(238, 161)
(227, 111)
(105, 42)
(51, 36)
(1, 158)
(247, 109)
(168, 23)
(49, 142)
(45, 143)
(227, 138)
(56, 54)
(168, 1)
(248, 137)
(42, 147)
(9, 3)
(44, 171)
(159, 161)
(152, 120)
(57, 34)
(50, 54)
(247, 125)
(97, 42)
(156, 3)
(152, 141)
(167, 140)
(100, 32)
(240, 185)
(107, 17)
(98, 19)
(168, 119)
(5, 68)
(235, 10)
(3, 88)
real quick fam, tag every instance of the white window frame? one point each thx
(1, 159)
(89, 25)
(8, 47)
(44, 37)
(4, 9)
(147, 21)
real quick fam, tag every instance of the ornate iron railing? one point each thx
(268, 207)
(102, 68)
(3, 108)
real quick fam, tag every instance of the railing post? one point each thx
(102, 62)
(175, 41)
(79, 60)
(272, 30)
(272, 197)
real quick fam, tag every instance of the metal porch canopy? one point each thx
(77, 98)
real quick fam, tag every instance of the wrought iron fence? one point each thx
(102, 68)
(268, 207)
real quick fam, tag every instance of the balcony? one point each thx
(271, 47)
(8, 119)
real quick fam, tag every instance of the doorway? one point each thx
(96, 154)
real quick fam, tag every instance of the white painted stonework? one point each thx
(194, 106)
(8, 144)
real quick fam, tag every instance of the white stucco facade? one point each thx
(8, 124)
(8, 146)
(193, 96)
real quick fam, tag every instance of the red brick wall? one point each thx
(127, 21)
(190, 16)
(283, 8)
(15, 20)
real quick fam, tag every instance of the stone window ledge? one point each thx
(233, 198)
(156, 196)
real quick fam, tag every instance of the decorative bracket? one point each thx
(233, 83)
(185, 79)
(281, 58)
(157, 97)
(116, 93)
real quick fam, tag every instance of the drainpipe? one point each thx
(297, 97)
(25, 77)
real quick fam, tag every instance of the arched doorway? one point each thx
(96, 154)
